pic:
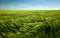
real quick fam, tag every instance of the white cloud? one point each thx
(25, 7)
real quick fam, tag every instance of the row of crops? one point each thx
(29, 23)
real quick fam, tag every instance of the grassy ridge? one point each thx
(29, 23)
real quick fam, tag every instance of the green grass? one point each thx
(29, 23)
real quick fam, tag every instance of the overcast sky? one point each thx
(29, 4)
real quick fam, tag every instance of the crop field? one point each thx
(29, 23)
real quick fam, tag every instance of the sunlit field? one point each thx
(29, 23)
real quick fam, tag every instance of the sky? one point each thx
(29, 4)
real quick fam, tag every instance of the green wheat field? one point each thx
(29, 23)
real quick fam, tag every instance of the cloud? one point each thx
(26, 7)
